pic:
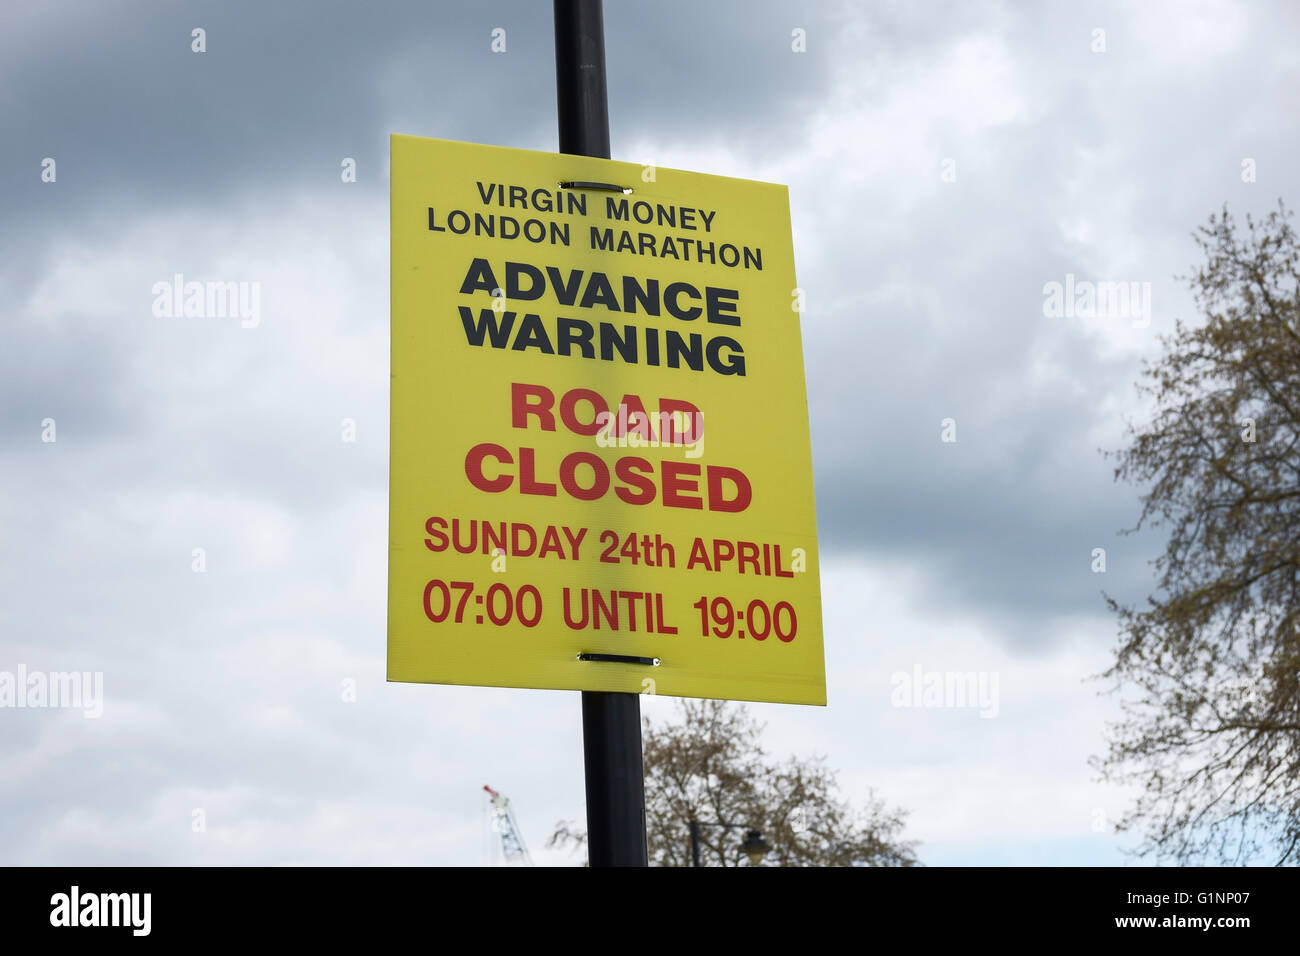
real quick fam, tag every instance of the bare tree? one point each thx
(711, 767)
(1207, 671)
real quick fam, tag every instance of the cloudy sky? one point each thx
(944, 161)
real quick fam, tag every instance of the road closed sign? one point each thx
(600, 467)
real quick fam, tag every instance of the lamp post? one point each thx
(754, 845)
(611, 722)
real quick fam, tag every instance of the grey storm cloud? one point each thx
(925, 303)
(1008, 516)
(284, 90)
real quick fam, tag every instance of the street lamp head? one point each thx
(755, 847)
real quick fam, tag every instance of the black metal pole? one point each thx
(611, 744)
(695, 843)
(611, 723)
(580, 78)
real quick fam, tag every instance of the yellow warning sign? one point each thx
(600, 469)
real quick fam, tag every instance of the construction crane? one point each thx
(501, 821)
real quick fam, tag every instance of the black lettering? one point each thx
(736, 358)
(566, 292)
(573, 332)
(609, 341)
(532, 334)
(599, 291)
(678, 349)
(487, 322)
(721, 304)
(647, 296)
(670, 301)
(537, 283)
(479, 278)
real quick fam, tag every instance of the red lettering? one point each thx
(668, 408)
(677, 481)
(629, 471)
(568, 476)
(474, 467)
(528, 484)
(568, 410)
(744, 494)
(436, 529)
(632, 419)
(521, 406)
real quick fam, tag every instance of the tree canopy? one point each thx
(711, 767)
(1208, 670)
